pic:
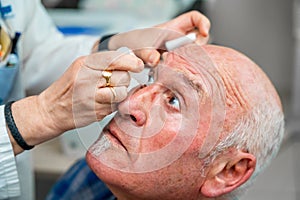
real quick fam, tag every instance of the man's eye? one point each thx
(174, 102)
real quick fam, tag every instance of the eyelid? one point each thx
(169, 94)
(170, 86)
(179, 95)
(153, 76)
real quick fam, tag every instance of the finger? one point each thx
(102, 110)
(113, 60)
(195, 19)
(111, 94)
(188, 21)
(118, 78)
(202, 40)
(201, 22)
(149, 56)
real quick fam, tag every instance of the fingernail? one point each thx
(154, 58)
(140, 65)
(207, 27)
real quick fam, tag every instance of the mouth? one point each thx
(114, 138)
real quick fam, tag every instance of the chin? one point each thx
(105, 173)
(94, 164)
(88, 157)
(91, 161)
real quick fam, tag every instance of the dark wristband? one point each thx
(13, 128)
(103, 42)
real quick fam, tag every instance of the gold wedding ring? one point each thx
(107, 75)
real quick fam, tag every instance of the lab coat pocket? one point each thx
(8, 75)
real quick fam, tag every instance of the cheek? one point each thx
(155, 139)
(183, 173)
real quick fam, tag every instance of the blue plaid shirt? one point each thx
(80, 183)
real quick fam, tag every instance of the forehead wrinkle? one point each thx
(237, 73)
(234, 92)
(193, 71)
(176, 61)
(184, 67)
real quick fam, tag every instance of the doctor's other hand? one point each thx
(87, 92)
(145, 42)
(192, 21)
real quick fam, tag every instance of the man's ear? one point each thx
(228, 172)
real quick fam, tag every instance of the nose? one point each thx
(136, 107)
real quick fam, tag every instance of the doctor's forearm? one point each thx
(31, 123)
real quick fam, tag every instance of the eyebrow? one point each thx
(188, 80)
(187, 70)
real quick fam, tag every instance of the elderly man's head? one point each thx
(209, 122)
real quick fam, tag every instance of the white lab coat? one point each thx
(44, 55)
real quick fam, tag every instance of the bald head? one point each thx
(246, 84)
(254, 121)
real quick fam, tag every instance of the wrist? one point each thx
(13, 129)
(104, 43)
(23, 124)
(32, 121)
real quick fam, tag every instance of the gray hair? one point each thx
(260, 132)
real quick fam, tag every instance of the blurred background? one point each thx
(267, 31)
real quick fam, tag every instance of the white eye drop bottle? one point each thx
(181, 41)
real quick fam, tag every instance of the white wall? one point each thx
(262, 29)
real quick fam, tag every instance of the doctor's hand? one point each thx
(145, 42)
(87, 92)
(192, 21)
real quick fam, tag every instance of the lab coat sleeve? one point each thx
(46, 53)
(9, 182)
